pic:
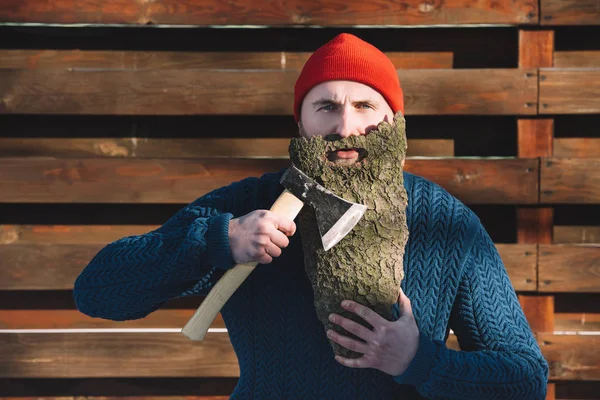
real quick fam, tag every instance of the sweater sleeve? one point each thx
(500, 358)
(136, 275)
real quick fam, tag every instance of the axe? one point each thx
(335, 219)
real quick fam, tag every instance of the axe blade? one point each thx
(335, 216)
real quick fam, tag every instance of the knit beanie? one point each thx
(349, 58)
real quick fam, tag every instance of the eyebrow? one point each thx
(325, 100)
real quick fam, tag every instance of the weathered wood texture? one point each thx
(539, 311)
(576, 59)
(571, 357)
(249, 92)
(570, 180)
(535, 137)
(117, 398)
(520, 261)
(177, 318)
(576, 322)
(263, 12)
(60, 355)
(569, 268)
(182, 148)
(55, 267)
(73, 319)
(576, 234)
(181, 60)
(569, 91)
(69, 234)
(70, 355)
(35, 180)
(535, 48)
(577, 147)
(569, 12)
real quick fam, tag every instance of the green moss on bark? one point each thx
(365, 266)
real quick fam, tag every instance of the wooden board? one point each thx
(570, 180)
(182, 148)
(69, 234)
(249, 92)
(109, 355)
(571, 357)
(576, 234)
(577, 147)
(37, 180)
(520, 261)
(73, 319)
(569, 12)
(182, 60)
(569, 268)
(577, 322)
(577, 59)
(55, 267)
(264, 12)
(570, 91)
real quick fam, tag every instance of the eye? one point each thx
(365, 106)
(327, 107)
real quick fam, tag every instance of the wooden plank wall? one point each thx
(113, 115)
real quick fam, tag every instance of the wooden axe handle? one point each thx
(287, 205)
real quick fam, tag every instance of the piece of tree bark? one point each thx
(367, 265)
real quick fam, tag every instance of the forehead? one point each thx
(338, 90)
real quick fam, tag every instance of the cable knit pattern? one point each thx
(453, 276)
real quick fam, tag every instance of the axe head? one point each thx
(335, 216)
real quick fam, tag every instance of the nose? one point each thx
(348, 124)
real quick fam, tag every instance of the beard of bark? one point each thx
(367, 265)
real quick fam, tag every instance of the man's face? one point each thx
(342, 109)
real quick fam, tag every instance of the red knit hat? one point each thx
(347, 57)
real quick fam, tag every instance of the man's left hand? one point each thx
(389, 347)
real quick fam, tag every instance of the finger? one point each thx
(353, 362)
(263, 256)
(352, 327)
(404, 304)
(272, 250)
(279, 239)
(365, 313)
(345, 341)
(285, 225)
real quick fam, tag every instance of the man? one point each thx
(454, 277)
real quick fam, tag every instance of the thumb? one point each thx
(404, 304)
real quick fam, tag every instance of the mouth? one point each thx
(347, 156)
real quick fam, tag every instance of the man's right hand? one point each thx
(259, 236)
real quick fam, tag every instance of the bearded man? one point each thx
(349, 107)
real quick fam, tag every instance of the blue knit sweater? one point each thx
(454, 278)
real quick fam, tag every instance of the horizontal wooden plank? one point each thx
(577, 322)
(570, 180)
(520, 261)
(576, 234)
(569, 268)
(69, 234)
(76, 355)
(182, 60)
(577, 147)
(577, 59)
(249, 92)
(569, 91)
(182, 148)
(36, 180)
(264, 12)
(117, 398)
(569, 12)
(73, 319)
(55, 267)
(571, 357)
